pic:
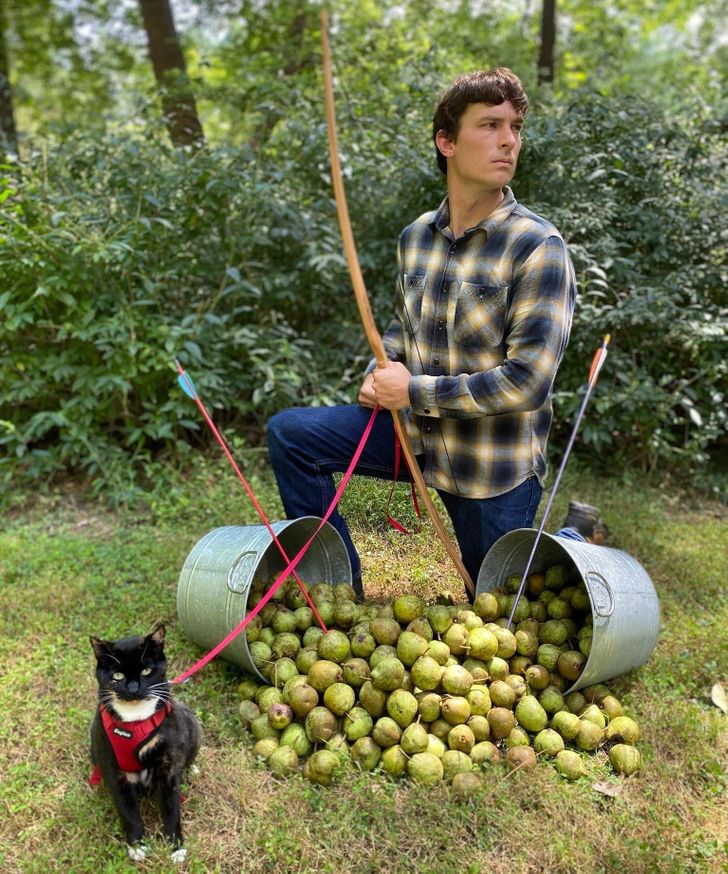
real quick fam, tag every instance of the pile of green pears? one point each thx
(432, 691)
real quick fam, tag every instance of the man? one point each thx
(485, 298)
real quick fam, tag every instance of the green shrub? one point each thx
(118, 253)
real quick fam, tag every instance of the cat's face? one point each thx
(131, 672)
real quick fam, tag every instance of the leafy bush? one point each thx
(118, 254)
(634, 192)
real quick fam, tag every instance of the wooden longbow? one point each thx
(365, 310)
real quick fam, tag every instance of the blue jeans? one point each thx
(308, 444)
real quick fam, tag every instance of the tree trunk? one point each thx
(8, 132)
(165, 52)
(548, 40)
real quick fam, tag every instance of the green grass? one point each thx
(69, 569)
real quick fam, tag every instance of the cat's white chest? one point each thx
(135, 711)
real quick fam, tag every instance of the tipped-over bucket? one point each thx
(212, 594)
(625, 606)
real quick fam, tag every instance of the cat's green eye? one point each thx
(146, 672)
(118, 676)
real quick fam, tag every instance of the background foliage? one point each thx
(118, 252)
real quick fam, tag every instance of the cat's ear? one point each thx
(100, 647)
(157, 636)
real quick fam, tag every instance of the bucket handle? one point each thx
(602, 596)
(239, 587)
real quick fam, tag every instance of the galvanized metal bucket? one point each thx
(625, 606)
(212, 593)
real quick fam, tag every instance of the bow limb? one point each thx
(365, 310)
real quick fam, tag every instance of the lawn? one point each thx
(70, 568)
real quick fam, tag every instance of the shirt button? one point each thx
(436, 359)
(428, 429)
(440, 325)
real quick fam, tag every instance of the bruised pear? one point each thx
(302, 699)
(623, 730)
(324, 673)
(414, 739)
(455, 709)
(410, 647)
(372, 699)
(425, 768)
(386, 732)
(548, 742)
(365, 753)
(439, 651)
(426, 673)
(625, 759)
(502, 722)
(439, 618)
(402, 707)
(428, 705)
(320, 724)
(570, 765)
(566, 723)
(394, 761)
(388, 674)
(455, 762)
(321, 767)
(486, 606)
(263, 748)
(456, 680)
(334, 646)
(520, 757)
(283, 761)
(530, 714)
(385, 631)
(485, 751)
(465, 784)
(408, 607)
(357, 723)
(570, 664)
(456, 637)
(339, 698)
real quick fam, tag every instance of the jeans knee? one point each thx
(276, 428)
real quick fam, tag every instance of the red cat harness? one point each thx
(127, 737)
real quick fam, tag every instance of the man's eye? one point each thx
(118, 676)
(146, 672)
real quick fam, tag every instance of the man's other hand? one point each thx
(391, 386)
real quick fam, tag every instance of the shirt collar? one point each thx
(441, 219)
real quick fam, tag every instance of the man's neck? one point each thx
(467, 208)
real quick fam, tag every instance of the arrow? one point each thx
(597, 362)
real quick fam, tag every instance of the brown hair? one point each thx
(485, 86)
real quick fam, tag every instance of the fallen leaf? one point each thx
(604, 788)
(719, 698)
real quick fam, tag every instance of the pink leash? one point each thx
(291, 565)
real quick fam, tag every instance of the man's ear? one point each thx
(444, 144)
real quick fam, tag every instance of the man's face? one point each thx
(485, 150)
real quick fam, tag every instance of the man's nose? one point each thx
(508, 138)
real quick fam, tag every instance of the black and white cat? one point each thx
(141, 738)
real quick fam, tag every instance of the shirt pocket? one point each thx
(412, 291)
(480, 315)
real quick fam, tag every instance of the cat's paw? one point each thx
(178, 856)
(137, 852)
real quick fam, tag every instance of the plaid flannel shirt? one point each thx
(481, 323)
